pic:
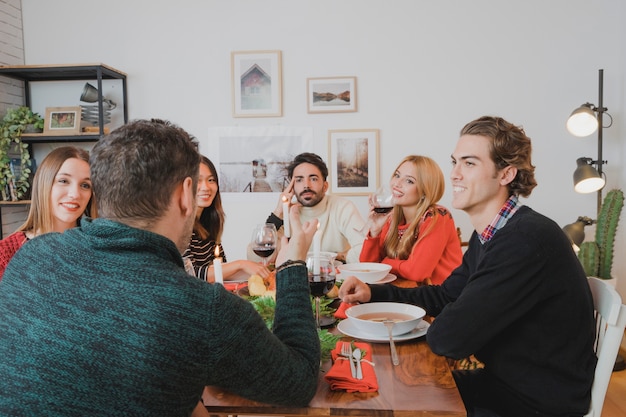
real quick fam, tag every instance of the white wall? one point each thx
(424, 69)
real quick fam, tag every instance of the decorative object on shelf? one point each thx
(353, 161)
(62, 121)
(14, 155)
(583, 121)
(331, 95)
(90, 113)
(257, 83)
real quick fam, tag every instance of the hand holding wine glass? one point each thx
(264, 240)
(381, 204)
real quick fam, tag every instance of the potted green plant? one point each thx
(14, 154)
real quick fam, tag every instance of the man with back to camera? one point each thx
(341, 224)
(519, 302)
(104, 320)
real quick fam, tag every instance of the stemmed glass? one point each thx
(321, 280)
(382, 201)
(264, 240)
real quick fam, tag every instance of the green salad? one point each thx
(265, 306)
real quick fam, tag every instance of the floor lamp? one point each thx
(584, 121)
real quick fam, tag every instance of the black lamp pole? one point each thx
(600, 111)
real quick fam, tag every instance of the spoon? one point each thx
(357, 358)
(394, 355)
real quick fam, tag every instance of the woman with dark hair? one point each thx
(61, 195)
(418, 237)
(208, 228)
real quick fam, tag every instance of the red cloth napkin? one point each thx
(339, 376)
(340, 313)
(234, 286)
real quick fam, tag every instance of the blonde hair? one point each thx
(40, 217)
(430, 184)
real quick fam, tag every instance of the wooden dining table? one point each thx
(421, 385)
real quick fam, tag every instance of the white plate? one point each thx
(388, 278)
(348, 328)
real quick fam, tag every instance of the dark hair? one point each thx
(309, 158)
(212, 217)
(509, 145)
(136, 168)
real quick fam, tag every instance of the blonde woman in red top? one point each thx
(61, 195)
(418, 238)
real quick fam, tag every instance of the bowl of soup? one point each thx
(368, 272)
(369, 318)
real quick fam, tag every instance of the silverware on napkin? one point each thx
(357, 358)
(346, 352)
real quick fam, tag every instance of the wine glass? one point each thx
(264, 240)
(383, 202)
(321, 273)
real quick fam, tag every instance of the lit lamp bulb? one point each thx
(582, 122)
(586, 178)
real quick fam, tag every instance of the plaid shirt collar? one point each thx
(506, 212)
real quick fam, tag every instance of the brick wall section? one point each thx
(11, 91)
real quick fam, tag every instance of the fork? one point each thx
(346, 352)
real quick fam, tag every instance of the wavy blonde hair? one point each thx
(430, 184)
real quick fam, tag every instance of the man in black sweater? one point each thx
(519, 302)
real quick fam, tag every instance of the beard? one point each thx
(185, 235)
(310, 200)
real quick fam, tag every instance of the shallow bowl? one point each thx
(368, 317)
(368, 272)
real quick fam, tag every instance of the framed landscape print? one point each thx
(331, 95)
(257, 83)
(353, 161)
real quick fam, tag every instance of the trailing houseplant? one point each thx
(14, 155)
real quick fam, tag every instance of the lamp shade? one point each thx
(576, 230)
(582, 122)
(586, 178)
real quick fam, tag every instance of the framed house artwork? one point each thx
(62, 121)
(353, 161)
(257, 83)
(331, 95)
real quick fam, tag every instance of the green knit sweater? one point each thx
(103, 320)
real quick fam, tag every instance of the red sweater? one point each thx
(8, 247)
(434, 257)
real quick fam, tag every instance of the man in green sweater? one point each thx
(104, 320)
(519, 302)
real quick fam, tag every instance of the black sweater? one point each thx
(522, 305)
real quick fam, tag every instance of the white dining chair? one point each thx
(610, 324)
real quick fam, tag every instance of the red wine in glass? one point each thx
(320, 285)
(383, 210)
(264, 251)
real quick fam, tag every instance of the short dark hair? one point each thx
(309, 158)
(135, 169)
(509, 145)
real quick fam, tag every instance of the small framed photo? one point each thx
(62, 121)
(353, 161)
(257, 83)
(331, 95)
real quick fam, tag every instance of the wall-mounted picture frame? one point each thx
(253, 160)
(257, 83)
(353, 161)
(331, 95)
(62, 121)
